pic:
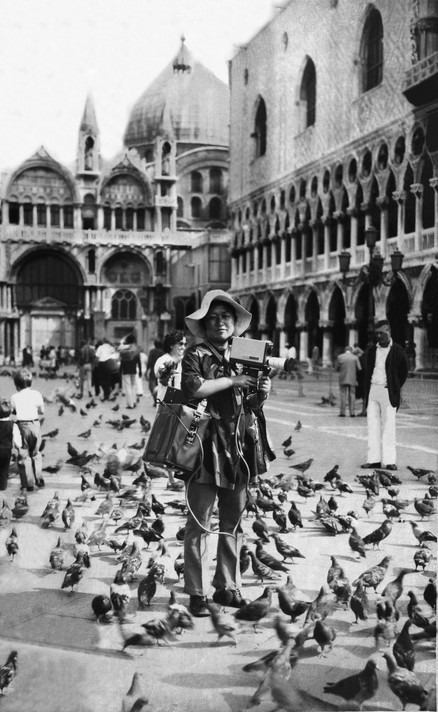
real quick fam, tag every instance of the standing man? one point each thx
(386, 370)
(154, 354)
(348, 366)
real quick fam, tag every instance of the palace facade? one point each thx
(334, 130)
(105, 247)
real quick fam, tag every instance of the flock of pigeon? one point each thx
(116, 511)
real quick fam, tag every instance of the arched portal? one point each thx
(337, 317)
(429, 311)
(313, 329)
(49, 293)
(362, 314)
(397, 309)
(271, 323)
(290, 321)
(254, 327)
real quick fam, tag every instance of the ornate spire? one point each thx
(180, 62)
(89, 122)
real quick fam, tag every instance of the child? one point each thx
(9, 437)
(28, 405)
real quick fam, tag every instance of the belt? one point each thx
(35, 420)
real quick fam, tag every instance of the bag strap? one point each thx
(219, 356)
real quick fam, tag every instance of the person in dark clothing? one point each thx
(10, 437)
(85, 360)
(153, 355)
(385, 371)
(27, 357)
(130, 365)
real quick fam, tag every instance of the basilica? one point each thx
(334, 175)
(102, 248)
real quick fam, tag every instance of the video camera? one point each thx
(255, 357)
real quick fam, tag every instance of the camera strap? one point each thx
(220, 357)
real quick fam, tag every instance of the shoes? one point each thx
(40, 483)
(353, 415)
(224, 597)
(198, 606)
(30, 488)
(389, 467)
(370, 465)
(341, 415)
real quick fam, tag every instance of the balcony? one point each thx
(420, 84)
(95, 238)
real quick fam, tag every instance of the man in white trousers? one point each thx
(386, 370)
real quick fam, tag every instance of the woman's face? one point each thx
(219, 323)
(178, 349)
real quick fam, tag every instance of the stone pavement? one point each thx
(67, 662)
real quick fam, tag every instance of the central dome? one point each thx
(186, 102)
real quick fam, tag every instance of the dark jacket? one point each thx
(396, 367)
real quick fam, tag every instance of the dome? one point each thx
(186, 102)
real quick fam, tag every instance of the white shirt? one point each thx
(27, 404)
(104, 352)
(379, 373)
(174, 381)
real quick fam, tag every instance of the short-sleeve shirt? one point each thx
(27, 404)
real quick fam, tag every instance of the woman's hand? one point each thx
(264, 385)
(244, 381)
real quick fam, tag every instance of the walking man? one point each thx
(348, 366)
(386, 370)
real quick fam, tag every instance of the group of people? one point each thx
(236, 446)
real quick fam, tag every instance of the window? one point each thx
(107, 218)
(91, 258)
(259, 134)
(68, 216)
(215, 209)
(215, 180)
(196, 206)
(308, 93)
(140, 219)
(180, 208)
(129, 218)
(14, 213)
(371, 53)
(160, 262)
(219, 265)
(196, 182)
(54, 215)
(123, 305)
(41, 215)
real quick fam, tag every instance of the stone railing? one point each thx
(18, 233)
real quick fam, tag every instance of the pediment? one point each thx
(48, 303)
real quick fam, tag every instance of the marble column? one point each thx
(352, 212)
(326, 222)
(400, 197)
(417, 190)
(327, 342)
(304, 342)
(419, 339)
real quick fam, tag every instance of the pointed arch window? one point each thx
(196, 182)
(308, 93)
(123, 305)
(260, 133)
(371, 53)
(196, 207)
(215, 180)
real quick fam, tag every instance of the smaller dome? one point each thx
(186, 102)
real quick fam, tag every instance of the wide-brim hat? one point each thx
(194, 320)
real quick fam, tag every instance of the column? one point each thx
(265, 249)
(48, 216)
(134, 220)
(353, 334)
(100, 217)
(419, 339)
(283, 255)
(327, 342)
(34, 216)
(293, 255)
(87, 304)
(326, 223)
(339, 231)
(400, 197)
(304, 342)
(20, 214)
(113, 220)
(352, 212)
(61, 217)
(417, 190)
(434, 183)
(314, 226)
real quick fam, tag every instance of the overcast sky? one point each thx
(54, 52)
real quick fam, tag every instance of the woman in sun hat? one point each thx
(235, 450)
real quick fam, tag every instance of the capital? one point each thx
(399, 196)
(417, 189)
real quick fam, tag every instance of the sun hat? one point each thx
(194, 320)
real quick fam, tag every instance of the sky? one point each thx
(55, 52)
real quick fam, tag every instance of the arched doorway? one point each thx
(429, 313)
(49, 293)
(337, 317)
(255, 319)
(397, 310)
(290, 321)
(271, 323)
(313, 329)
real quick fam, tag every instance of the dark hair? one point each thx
(129, 339)
(172, 338)
(382, 322)
(158, 343)
(5, 408)
(22, 379)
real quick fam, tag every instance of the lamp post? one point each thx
(372, 274)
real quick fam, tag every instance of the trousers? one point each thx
(348, 397)
(30, 460)
(128, 386)
(381, 427)
(231, 504)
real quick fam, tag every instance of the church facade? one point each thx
(104, 248)
(334, 152)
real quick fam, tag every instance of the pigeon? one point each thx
(289, 605)
(279, 517)
(422, 557)
(422, 534)
(8, 671)
(369, 503)
(68, 515)
(359, 687)
(303, 466)
(324, 635)
(429, 593)
(294, 516)
(287, 442)
(332, 474)
(21, 507)
(419, 472)
(57, 555)
(120, 595)
(135, 639)
(50, 512)
(135, 700)
(148, 585)
(12, 545)
(298, 425)
(286, 551)
(74, 572)
(85, 435)
(404, 683)
(102, 608)
(223, 623)
(359, 603)
(403, 648)
(425, 507)
(260, 529)
(379, 534)
(261, 570)
(415, 613)
(51, 434)
(394, 589)
(255, 610)
(265, 558)
(320, 607)
(375, 575)
(5, 515)
(356, 543)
